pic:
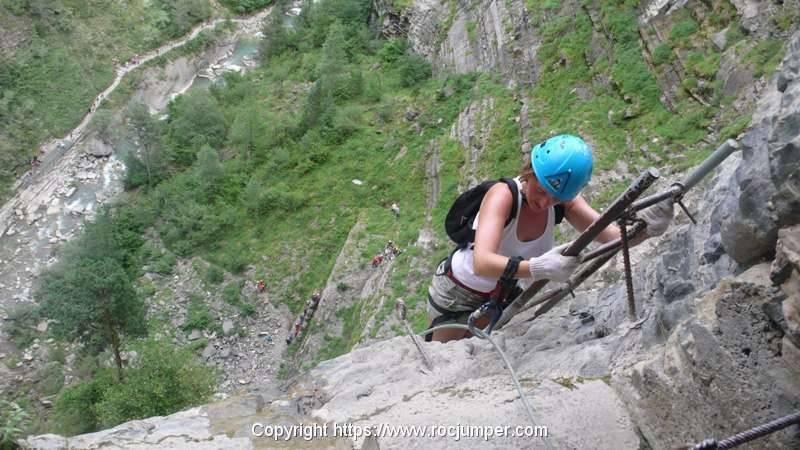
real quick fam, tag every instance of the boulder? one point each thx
(98, 148)
(195, 335)
(227, 327)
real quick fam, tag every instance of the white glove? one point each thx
(658, 217)
(553, 265)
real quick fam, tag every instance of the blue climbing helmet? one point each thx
(563, 165)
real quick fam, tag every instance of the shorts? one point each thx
(445, 296)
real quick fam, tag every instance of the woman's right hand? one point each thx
(553, 265)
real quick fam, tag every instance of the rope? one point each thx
(480, 334)
(749, 435)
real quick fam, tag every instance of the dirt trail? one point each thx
(34, 185)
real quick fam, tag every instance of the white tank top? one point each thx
(510, 245)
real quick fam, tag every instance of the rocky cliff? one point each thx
(716, 351)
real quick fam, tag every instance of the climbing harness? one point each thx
(749, 435)
(497, 303)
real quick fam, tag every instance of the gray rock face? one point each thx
(785, 140)
(468, 387)
(768, 177)
(472, 129)
(491, 36)
(729, 356)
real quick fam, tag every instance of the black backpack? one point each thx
(459, 220)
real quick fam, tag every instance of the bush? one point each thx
(703, 65)
(393, 50)
(734, 128)
(74, 409)
(765, 56)
(21, 324)
(57, 354)
(198, 316)
(245, 6)
(413, 69)
(235, 258)
(164, 264)
(662, 54)
(734, 34)
(231, 293)
(51, 379)
(247, 309)
(135, 172)
(346, 122)
(165, 379)
(214, 275)
(196, 120)
(682, 30)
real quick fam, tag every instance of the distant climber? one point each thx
(260, 285)
(297, 327)
(377, 260)
(395, 209)
(551, 180)
(391, 250)
(315, 299)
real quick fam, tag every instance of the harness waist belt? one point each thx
(444, 312)
(462, 285)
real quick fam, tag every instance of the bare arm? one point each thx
(495, 208)
(580, 215)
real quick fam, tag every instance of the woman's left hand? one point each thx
(658, 217)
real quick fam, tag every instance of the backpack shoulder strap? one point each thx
(560, 211)
(512, 185)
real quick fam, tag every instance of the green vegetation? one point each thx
(90, 294)
(13, 421)
(663, 54)
(352, 324)
(788, 17)
(735, 127)
(471, 26)
(198, 316)
(21, 324)
(214, 275)
(163, 379)
(245, 6)
(765, 56)
(682, 31)
(80, 42)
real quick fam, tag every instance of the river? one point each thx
(52, 201)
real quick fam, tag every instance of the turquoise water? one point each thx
(246, 47)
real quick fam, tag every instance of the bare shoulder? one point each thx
(498, 195)
(496, 204)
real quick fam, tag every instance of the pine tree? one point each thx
(90, 294)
